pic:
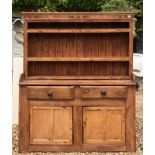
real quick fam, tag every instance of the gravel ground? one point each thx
(139, 134)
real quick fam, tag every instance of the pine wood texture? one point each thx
(77, 92)
(47, 93)
(97, 92)
(50, 125)
(104, 125)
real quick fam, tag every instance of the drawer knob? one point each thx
(50, 93)
(103, 93)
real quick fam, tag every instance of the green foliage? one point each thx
(51, 5)
(81, 5)
(59, 5)
(117, 5)
(135, 6)
(18, 5)
(138, 9)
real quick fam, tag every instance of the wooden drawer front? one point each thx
(89, 92)
(47, 93)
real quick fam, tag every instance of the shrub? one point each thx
(135, 6)
(117, 5)
(18, 5)
(59, 5)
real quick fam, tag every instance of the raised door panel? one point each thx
(114, 123)
(40, 125)
(104, 125)
(93, 125)
(62, 125)
(50, 125)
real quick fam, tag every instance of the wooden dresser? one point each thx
(77, 91)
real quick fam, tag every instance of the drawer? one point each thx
(90, 92)
(53, 92)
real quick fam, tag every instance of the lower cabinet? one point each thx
(50, 125)
(86, 118)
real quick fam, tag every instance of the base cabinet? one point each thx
(76, 118)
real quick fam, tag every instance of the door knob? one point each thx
(50, 93)
(103, 93)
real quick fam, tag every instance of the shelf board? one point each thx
(69, 59)
(86, 82)
(114, 30)
(30, 77)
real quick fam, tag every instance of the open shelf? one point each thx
(118, 30)
(78, 69)
(99, 45)
(77, 25)
(77, 59)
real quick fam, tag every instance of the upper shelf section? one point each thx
(78, 45)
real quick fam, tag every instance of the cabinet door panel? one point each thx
(93, 125)
(40, 125)
(50, 125)
(115, 125)
(104, 125)
(62, 125)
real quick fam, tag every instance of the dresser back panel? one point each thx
(78, 69)
(78, 45)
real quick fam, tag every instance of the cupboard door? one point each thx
(104, 125)
(40, 125)
(50, 125)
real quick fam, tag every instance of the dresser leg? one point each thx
(130, 120)
(23, 120)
